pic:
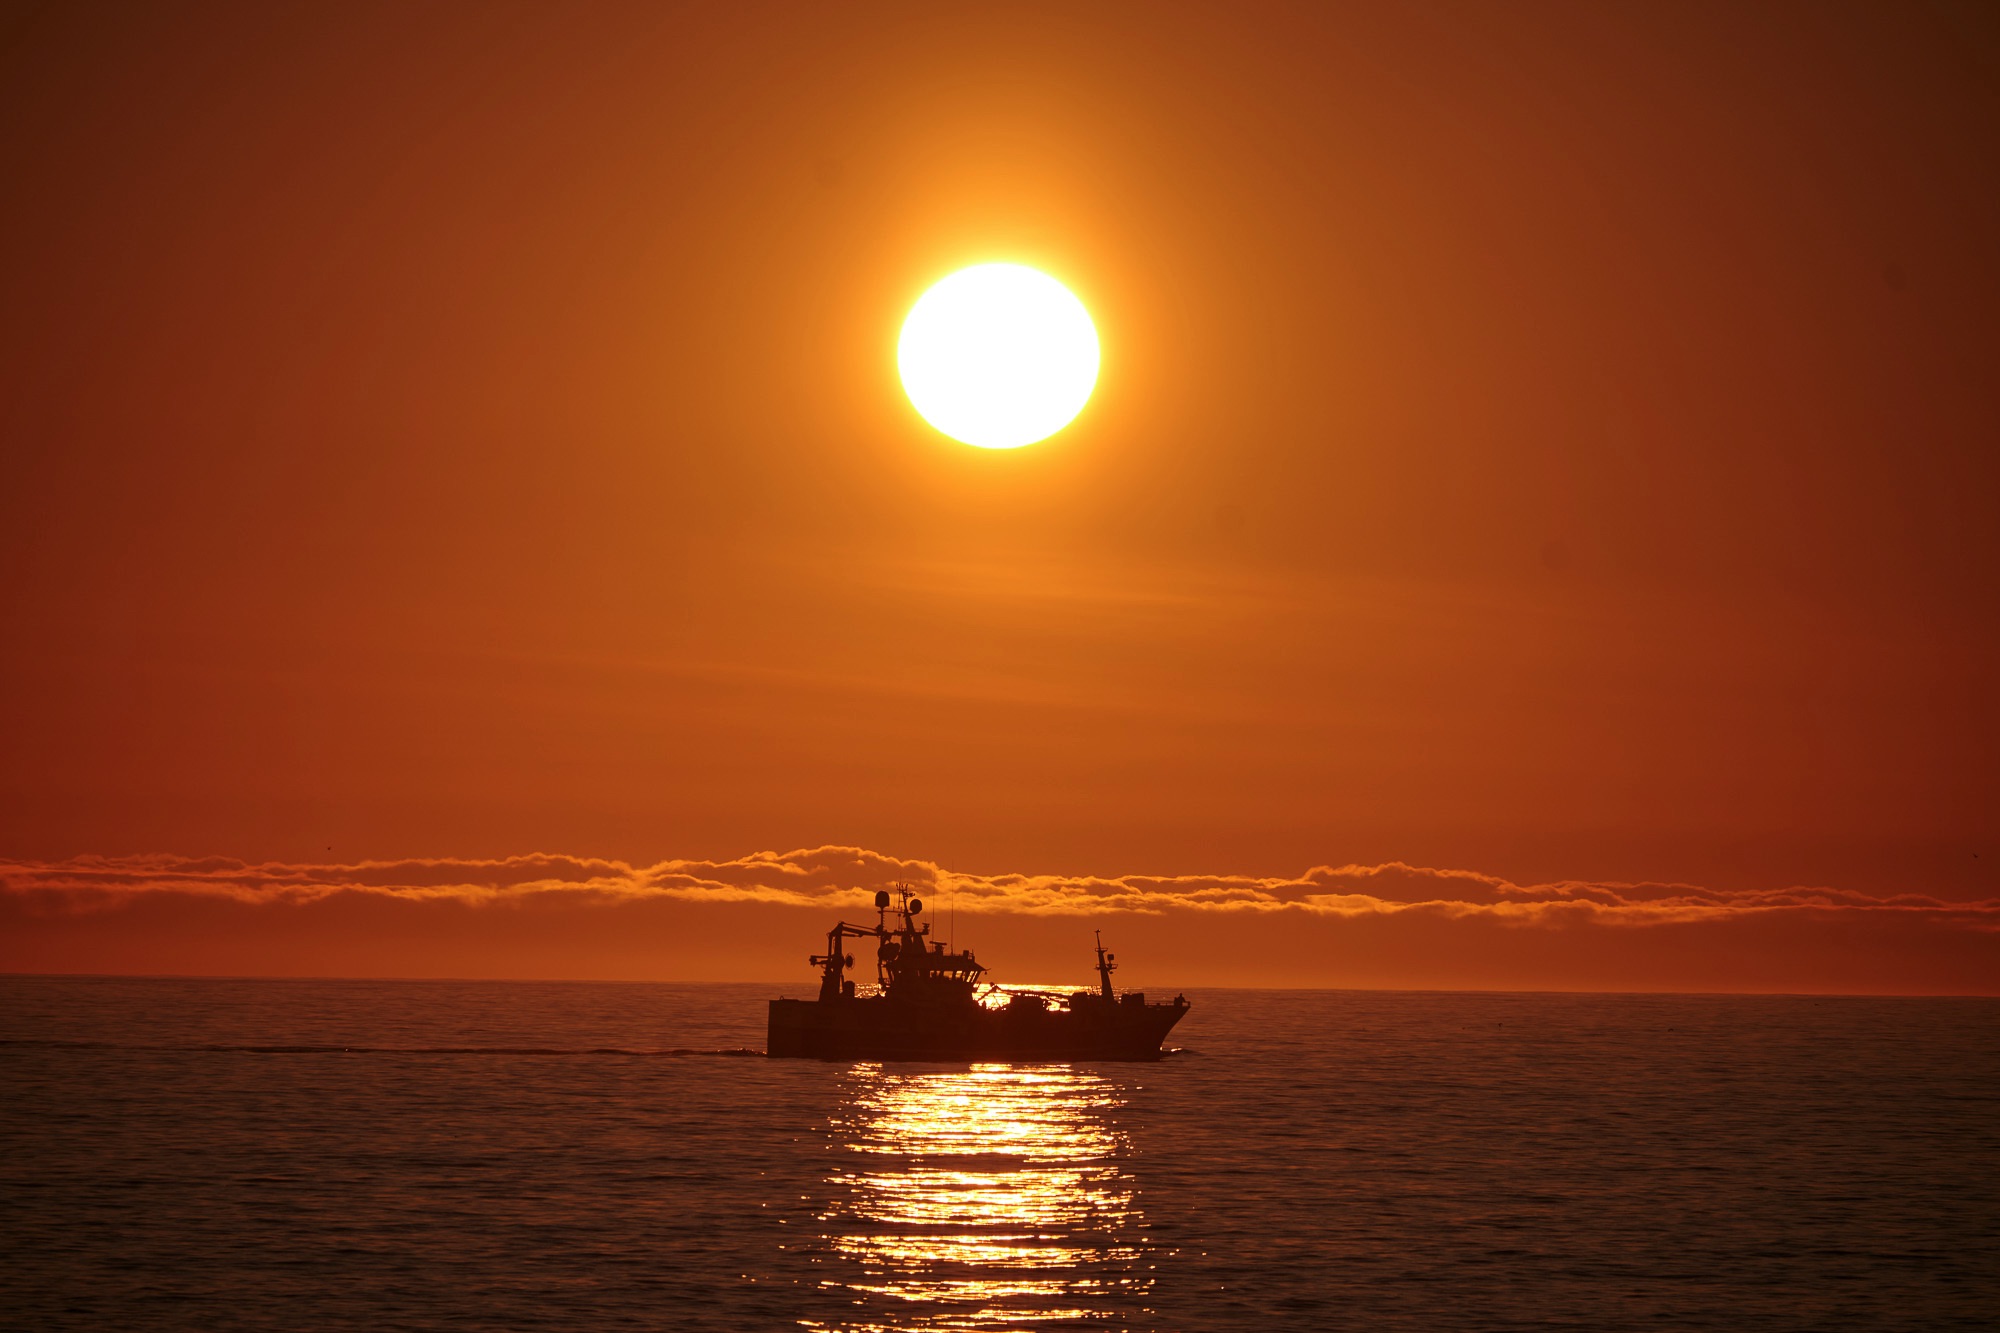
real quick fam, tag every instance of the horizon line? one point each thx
(1351, 990)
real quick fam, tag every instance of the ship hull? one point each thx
(878, 1028)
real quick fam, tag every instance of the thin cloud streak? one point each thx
(845, 879)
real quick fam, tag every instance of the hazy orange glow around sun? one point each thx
(521, 490)
(998, 356)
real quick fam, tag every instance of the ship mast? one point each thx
(1105, 966)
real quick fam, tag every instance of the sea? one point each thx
(432, 1155)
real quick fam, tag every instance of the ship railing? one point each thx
(996, 995)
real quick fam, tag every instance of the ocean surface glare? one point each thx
(218, 1155)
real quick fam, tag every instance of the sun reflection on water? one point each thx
(993, 1197)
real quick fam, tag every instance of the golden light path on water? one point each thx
(991, 1197)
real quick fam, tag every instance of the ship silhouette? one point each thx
(929, 1003)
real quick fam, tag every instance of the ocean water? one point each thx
(216, 1155)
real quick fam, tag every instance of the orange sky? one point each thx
(1554, 443)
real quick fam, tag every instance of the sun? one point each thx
(998, 356)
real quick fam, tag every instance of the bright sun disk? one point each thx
(998, 356)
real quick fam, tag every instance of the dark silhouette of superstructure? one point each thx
(928, 1003)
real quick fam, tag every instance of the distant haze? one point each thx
(755, 917)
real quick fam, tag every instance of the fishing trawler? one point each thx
(929, 1003)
